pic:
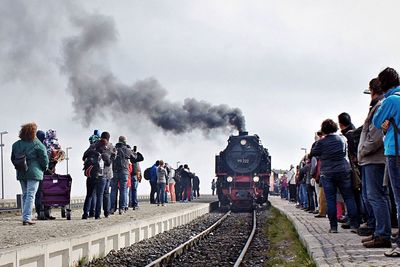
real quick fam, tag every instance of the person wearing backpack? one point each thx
(387, 117)
(94, 158)
(120, 169)
(29, 156)
(103, 182)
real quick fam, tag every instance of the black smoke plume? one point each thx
(97, 92)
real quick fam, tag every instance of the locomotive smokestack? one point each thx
(242, 133)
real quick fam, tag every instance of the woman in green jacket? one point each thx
(36, 161)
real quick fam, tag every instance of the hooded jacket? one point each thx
(107, 155)
(370, 148)
(390, 108)
(36, 158)
(162, 176)
(332, 152)
(126, 155)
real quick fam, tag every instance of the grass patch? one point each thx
(285, 248)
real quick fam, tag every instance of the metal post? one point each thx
(305, 150)
(67, 158)
(2, 166)
(177, 164)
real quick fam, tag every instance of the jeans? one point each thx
(90, 188)
(394, 175)
(284, 192)
(29, 188)
(378, 198)
(153, 190)
(331, 182)
(122, 178)
(160, 193)
(102, 196)
(311, 198)
(134, 186)
(303, 195)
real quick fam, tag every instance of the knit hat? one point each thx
(41, 135)
(122, 139)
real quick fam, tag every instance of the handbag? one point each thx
(355, 176)
(20, 163)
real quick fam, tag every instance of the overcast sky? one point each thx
(287, 65)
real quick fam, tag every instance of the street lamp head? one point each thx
(68, 147)
(4, 132)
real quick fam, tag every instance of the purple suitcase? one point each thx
(56, 190)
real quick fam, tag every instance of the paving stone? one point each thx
(326, 249)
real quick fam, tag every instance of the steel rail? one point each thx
(246, 247)
(183, 247)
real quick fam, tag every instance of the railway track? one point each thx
(237, 224)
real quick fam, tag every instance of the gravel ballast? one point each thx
(146, 251)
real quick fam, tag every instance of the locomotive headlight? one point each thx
(256, 179)
(243, 142)
(229, 179)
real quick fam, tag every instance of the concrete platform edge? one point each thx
(68, 251)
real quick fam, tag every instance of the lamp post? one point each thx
(305, 150)
(67, 158)
(2, 167)
(177, 164)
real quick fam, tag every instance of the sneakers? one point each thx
(320, 216)
(395, 252)
(378, 242)
(28, 222)
(84, 216)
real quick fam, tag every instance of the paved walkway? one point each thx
(14, 234)
(341, 249)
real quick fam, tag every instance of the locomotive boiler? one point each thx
(243, 170)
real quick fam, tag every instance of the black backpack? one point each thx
(147, 173)
(91, 165)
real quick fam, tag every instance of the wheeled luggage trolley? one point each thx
(56, 192)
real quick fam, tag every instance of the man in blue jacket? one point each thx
(388, 118)
(153, 183)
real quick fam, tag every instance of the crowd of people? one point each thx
(113, 186)
(113, 174)
(353, 177)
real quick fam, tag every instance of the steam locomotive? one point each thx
(243, 170)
